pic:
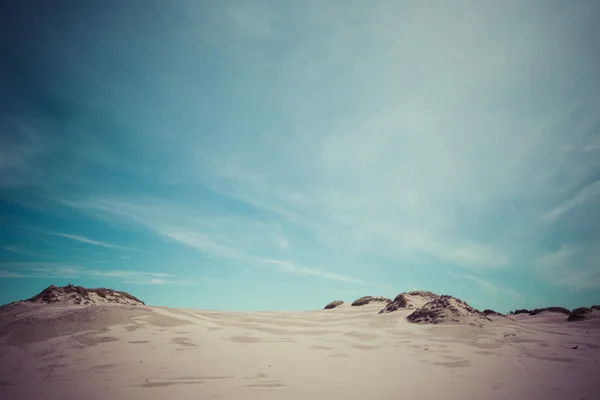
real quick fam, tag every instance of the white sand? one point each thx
(125, 352)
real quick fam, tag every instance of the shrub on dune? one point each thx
(579, 314)
(550, 309)
(370, 299)
(334, 304)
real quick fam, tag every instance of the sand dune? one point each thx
(138, 352)
(409, 300)
(430, 308)
(78, 295)
(447, 309)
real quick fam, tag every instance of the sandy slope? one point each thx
(135, 352)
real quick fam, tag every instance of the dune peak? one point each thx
(334, 304)
(370, 299)
(447, 309)
(79, 295)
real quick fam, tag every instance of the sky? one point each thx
(278, 155)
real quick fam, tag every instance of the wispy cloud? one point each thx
(203, 243)
(21, 144)
(19, 250)
(12, 274)
(570, 267)
(586, 194)
(573, 279)
(209, 246)
(39, 270)
(161, 281)
(492, 288)
(212, 242)
(561, 257)
(233, 253)
(291, 268)
(83, 239)
(70, 271)
(124, 273)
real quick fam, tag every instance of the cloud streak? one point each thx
(570, 267)
(83, 239)
(208, 246)
(207, 237)
(588, 193)
(29, 270)
(493, 288)
(19, 250)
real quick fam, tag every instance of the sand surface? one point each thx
(135, 352)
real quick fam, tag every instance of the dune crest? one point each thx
(78, 295)
(370, 299)
(550, 309)
(334, 304)
(448, 309)
(581, 313)
(432, 308)
(493, 313)
(410, 300)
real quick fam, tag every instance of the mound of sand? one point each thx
(436, 309)
(595, 308)
(78, 295)
(370, 299)
(334, 304)
(447, 310)
(409, 300)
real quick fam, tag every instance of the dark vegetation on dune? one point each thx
(431, 315)
(573, 315)
(434, 311)
(334, 304)
(403, 300)
(550, 309)
(80, 294)
(399, 301)
(489, 312)
(437, 308)
(370, 299)
(579, 314)
(48, 295)
(423, 293)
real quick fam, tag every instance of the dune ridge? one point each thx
(334, 304)
(79, 295)
(369, 299)
(409, 300)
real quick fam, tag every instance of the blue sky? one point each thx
(277, 155)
